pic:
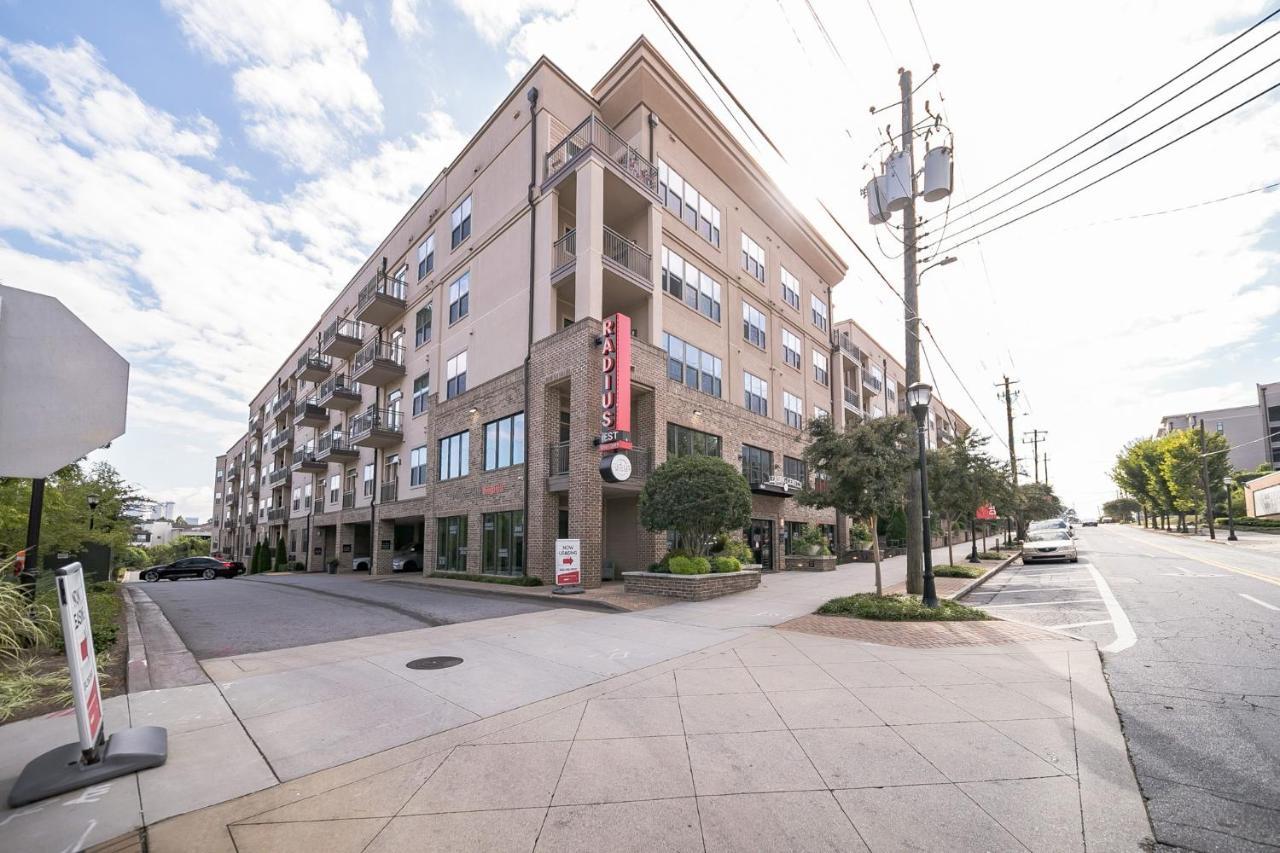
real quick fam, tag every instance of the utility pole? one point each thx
(1008, 397)
(1046, 471)
(1036, 436)
(915, 537)
(1204, 478)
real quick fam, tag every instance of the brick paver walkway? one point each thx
(918, 635)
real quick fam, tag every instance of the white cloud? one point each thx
(495, 20)
(299, 73)
(408, 19)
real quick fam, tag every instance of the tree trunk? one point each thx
(875, 553)
(951, 557)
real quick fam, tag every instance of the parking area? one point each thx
(226, 617)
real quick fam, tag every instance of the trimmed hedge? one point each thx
(509, 580)
(958, 571)
(689, 566)
(1261, 523)
(725, 564)
(899, 608)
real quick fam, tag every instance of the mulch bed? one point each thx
(920, 635)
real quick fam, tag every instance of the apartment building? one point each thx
(1252, 431)
(454, 396)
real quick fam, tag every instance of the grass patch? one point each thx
(991, 555)
(509, 580)
(958, 571)
(899, 608)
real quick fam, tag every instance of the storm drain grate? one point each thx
(434, 663)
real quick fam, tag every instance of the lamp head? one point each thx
(1227, 481)
(949, 259)
(918, 397)
(93, 501)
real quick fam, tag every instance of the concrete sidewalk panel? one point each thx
(557, 725)
(272, 693)
(180, 709)
(974, 752)
(865, 757)
(613, 771)
(868, 674)
(995, 702)
(755, 762)
(658, 686)
(802, 821)
(380, 795)
(890, 819)
(619, 718)
(1044, 814)
(1053, 740)
(669, 825)
(721, 713)
(822, 709)
(910, 705)
(492, 776)
(501, 683)
(204, 767)
(696, 682)
(500, 831)
(331, 836)
(776, 679)
(940, 671)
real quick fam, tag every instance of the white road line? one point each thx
(1044, 603)
(1080, 624)
(1004, 589)
(1125, 636)
(1258, 601)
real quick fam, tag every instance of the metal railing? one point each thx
(313, 359)
(338, 382)
(641, 460)
(565, 250)
(841, 340)
(851, 399)
(279, 513)
(380, 351)
(345, 328)
(348, 500)
(559, 456)
(875, 383)
(388, 420)
(388, 492)
(593, 132)
(300, 408)
(282, 402)
(332, 441)
(382, 285)
(627, 254)
(280, 439)
(255, 422)
(305, 455)
(278, 476)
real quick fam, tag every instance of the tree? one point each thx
(1122, 509)
(962, 477)
(864, 470)
(255, 565)
(181, 546)
(282, 557)
(699, 497)
(1036, 501)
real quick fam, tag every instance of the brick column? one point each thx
(586, 510)
(344, 536)
(384, 529)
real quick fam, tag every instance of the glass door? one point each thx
(759, 536)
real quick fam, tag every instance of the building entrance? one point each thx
(759, 536)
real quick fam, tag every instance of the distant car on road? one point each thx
(407, 559)
(194, 567)
(1106, 519)
(1052, 544)
(1089, 522)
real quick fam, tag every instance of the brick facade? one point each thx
(691, 587)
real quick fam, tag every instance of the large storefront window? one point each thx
(451, 543)
(503, 543)
(757, 464)
(682, 441)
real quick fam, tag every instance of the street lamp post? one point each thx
(918, 396)
(93, 501)
(1231, 518)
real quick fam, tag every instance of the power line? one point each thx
(1129, 124)
(876, 18)
(1116, 171)
(920, 30)
(1125, 109)
(817, 19)
(1261, 189)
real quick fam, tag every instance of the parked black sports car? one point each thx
(194, 567)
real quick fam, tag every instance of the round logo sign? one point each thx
(615, 468)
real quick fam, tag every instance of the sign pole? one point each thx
(27, 578)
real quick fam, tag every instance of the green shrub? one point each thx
(104, 613)
(22, 627)
(659, 568)
(809, 537)
(689, 566)
(509, 580)
(859, 532)
(899, 608)
(725, 564)
(731, 546)
(959, 571)
(665, 563)
(991, 555)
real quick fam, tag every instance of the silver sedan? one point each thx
(1049, 545)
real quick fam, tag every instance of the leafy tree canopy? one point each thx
(699, 497)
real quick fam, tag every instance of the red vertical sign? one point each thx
(615, 394)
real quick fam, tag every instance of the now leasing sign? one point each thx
(568, 562)
(73, 605)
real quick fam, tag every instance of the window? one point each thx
(297, 498)
(459, 298)
(461, 222)
(790, 288)
(502, 545)
(791, 348)
(394, 400)
(757, 464)
(683, 441)
(504, 442)
(754, 325)
(306, 495)
(1219, 426)
(820, 367)
(792, 406)
(819, 412)
(418, 466)
(752, 257)
(451, 543)
(426, 257)
(690, 285)
(335, 483)
(390, 473)
(368, 479)
(454, 453)
(755, 393)
(421, 393)
(819, 312)
(455, 372)
(402, 275)
(692, 208)
(795, 469)
(691, 366)
(422, 326)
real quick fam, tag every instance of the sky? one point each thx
(197, 178)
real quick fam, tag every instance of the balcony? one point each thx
(342, 338)
(307, 461)
(382, 300)
(378, 428)
(846, 346)
(278, 476)
(281, 404)
(558, 473)
(310, 413)
(277, 515)
(348, 500)
(281, 439)
(255, 423)
(872, 382)
(313, 367)
(333, 447)
(378, 363)
(337, 392)
(233, 471)
(628, 258)
(594, 133)
(851, 400)
(564, 255)
(388, 493)
(254, 455)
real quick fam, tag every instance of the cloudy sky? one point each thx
(196, 177)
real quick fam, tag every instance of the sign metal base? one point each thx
(63, 769)
(567, 590)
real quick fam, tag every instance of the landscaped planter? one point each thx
(806, 563)
(690, 587)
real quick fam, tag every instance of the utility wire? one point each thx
(920, 30)
(1116, 171)
(1125, 109)
(876, 18)
(817, 19)
(1261, 189)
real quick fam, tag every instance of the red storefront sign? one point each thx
(615, 394)
(986, 512)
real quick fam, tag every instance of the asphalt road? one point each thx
(1190, 636)
(228, 617)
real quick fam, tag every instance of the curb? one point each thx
(496, 590)
(168, 663)
(977, 582)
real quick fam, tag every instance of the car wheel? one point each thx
(151, 577)
(1075, 559)
(208, 574)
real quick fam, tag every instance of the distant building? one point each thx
(1252, 431)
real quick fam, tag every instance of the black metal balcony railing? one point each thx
(278, 476)
(875, 383)
(280, 439)
(303, 456)
(378, 351)
(565, 250)
(282, 403)
(559, 456)
(851, 399)
(312, 360)
(382, 285)
(341, 328)
(842, 340)
(386, 420)
(333, 442)
(593, 132)
(641, 460)
(279, 513)
(309, 409)
(255, 423)
(388, 492)
(348, 500)
(626, 254)
(338, 382)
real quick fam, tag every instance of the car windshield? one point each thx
(1044, 525)
(1047, 535)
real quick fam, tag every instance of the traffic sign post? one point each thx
(93, 757)
(568, 567)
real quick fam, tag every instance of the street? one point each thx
(1188, 630)
(253, 614)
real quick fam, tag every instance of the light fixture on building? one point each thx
(472, 410)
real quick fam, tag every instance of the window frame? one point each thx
(756, 268)
(422, 331)
(460, 223)
(755, 326)
(455, 378)
(418, 466)
(459, 298)
(818, 311)
(821, 372)
(792, 409)
(493, 538)
(757, 389)
(451, 546)
(678, 434)
(421, 396)
(513, 442)
(714, 377)
(454, 450)
(790, 287)
(788, 351)
(426, 256)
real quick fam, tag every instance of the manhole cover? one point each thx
(433, 663)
